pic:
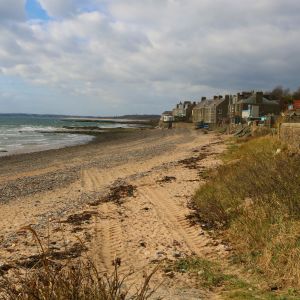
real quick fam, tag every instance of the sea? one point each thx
(21, 133)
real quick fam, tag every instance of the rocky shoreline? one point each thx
(67, 163)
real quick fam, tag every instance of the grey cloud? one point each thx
(12, 10)
(148, 54)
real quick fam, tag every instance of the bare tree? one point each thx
(296, 94)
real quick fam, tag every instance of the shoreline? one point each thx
(65, 158)
(95, 134)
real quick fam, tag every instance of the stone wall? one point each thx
(290, 133)
(183, 125)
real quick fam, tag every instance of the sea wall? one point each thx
(290, 133)
(183, 125)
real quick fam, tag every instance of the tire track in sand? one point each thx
(107, 242)
(93, 179)
(173, 216)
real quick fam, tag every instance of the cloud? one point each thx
(59, 8)
(63, 8)
(14, 10)
(119, 56)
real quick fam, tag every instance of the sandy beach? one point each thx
(123, 195)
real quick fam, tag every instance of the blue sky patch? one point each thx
(35, 11)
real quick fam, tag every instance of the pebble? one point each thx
(177, 254)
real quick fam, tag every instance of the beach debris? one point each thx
(191, 162)
(166, 179)
(142, 244)
(38, 260)
(176, 243)
(76, 229)
(160, 255)
(192, 180)
(177, 254)
(170, 274)
(244, 132)
(5, 268)
(118, 192)
(90, 198)
(193, 218)
(78, 219)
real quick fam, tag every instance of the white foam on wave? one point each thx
(37, 128)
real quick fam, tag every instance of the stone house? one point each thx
(200, 110)
(218, 111)
(213, 111)
(233, 109)
(183, 110)
(254, 106)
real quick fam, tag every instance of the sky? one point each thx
(114, 57)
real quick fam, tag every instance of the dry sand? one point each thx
(122, 197)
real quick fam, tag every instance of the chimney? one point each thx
(216, 97)
(203, 98)
(220, 96)
(259, 97)
(227, 97)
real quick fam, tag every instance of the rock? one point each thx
(176, 243)
(170, 274)
(161, 253)
(142, 244)
(177, 254)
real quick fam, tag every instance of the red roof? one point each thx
(296, 104)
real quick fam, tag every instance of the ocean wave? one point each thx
(37, 128)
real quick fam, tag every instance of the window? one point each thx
(220, 111)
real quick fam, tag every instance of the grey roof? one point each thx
(187, 102)
(216, 101)
(252, 100)
(203, 103)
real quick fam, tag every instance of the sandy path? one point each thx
(144, 229)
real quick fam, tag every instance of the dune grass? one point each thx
(254, 199)
(79, 279)
(212, 276)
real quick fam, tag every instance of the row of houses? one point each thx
(232, 109)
